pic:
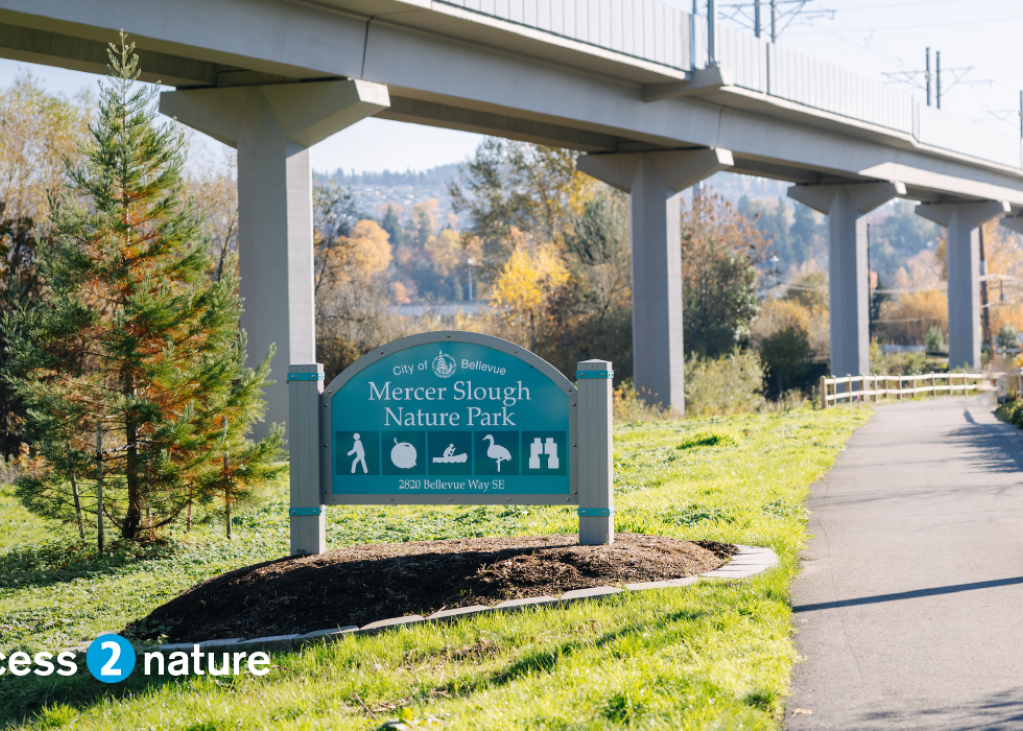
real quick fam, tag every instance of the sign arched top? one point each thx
(453, 336)
(451, 417)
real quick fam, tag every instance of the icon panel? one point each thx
(497, 452)
(357, 453)
(450, 453)
(544, 453)
(404, 453)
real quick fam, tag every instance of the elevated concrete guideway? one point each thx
(623, 80)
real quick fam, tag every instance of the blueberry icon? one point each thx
(110, 658)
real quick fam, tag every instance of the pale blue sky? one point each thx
(867, 36)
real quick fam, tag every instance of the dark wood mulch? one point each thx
(362, 584)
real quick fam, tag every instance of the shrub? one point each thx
(1006, 336)
(934, 340)
(723, 385)
(628, 405)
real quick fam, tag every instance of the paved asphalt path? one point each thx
(909, 607)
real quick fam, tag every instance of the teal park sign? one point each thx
(451, 417)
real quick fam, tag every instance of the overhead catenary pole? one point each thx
(756, 18)
(692, 35)
(712, 33)
(927, 75)
(774, 21)
(1021, 114)
(937, 77)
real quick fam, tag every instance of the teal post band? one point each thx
(306, 511)
(596, 512)
(594, 374)
(305, 376)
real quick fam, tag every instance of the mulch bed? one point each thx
(362, 584)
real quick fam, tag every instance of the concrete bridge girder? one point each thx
(961, 221)
(653, 181)
(273, 127)
(849, 309)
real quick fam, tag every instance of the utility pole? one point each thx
(870, 296)
(927, 75)
(756, 18)
(1021, 114)
(937, 71)
(774, 21)
(985, 310)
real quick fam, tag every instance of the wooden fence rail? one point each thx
(874, 388)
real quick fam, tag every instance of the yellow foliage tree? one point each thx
(779, 314)
(363, 254)
(907, 319)
(526, 284)
(39, 130)
(445, 251)
(1005, 265)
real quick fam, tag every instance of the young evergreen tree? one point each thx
(132, 335)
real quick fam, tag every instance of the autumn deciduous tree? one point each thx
(351, 295)
(535, 189)
(720, 249)
(526, 284)
(131, 336)
(1004, 255)
(37, 131)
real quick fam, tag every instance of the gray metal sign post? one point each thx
(596, 472)
(308, 522)
(450, 418)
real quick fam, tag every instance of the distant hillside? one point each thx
(442, 174)
(374, 190)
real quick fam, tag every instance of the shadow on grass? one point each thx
(22, 700)
(59, 562)
(545, 660)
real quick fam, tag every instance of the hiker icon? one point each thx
(360, 455)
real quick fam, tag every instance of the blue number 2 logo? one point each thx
(110, 658)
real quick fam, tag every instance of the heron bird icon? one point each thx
(496, 451)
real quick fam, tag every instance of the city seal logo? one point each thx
(444, 365)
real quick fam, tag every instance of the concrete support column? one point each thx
(653, 180)
(849, 307)
(272, 127)
(961, 221)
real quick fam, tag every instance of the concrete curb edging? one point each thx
(750, 561)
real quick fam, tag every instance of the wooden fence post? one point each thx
(824, 392)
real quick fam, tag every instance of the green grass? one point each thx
(712, 655)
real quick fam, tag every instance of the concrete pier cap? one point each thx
(961, 220)
(653, 181)
(849, 309)
(272, 126)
